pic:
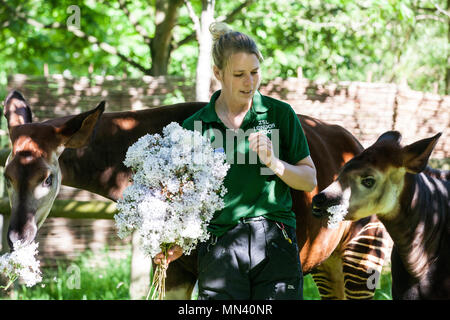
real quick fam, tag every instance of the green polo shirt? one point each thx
(253, 189)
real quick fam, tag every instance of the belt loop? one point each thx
(251, 219)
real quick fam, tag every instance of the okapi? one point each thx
(411, 200)
(94, 162)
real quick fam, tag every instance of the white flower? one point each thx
(21, 263)
(337, 214)
(177, 186)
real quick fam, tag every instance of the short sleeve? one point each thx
(188, 124)
(293, 140)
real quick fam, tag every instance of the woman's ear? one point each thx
(218, 73)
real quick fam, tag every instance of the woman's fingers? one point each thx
(262, 145)
(259, 140)
(172, 254)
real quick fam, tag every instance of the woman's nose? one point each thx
(248, 80)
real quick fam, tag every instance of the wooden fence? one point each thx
(365, 109)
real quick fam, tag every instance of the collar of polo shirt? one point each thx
(209, 113)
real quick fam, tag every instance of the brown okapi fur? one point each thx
(411, 200)
(96, 164)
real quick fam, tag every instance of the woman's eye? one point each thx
(48, 182)
(238, 75)
(368, 182)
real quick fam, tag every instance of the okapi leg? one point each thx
(329, 278)
(181, 278)
(363, 258)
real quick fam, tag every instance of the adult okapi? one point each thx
(411, 200)
(93, 162)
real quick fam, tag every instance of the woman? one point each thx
(252, 253)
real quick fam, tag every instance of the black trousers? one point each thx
(252, 261)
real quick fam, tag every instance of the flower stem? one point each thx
(158, 285)
(11, 281)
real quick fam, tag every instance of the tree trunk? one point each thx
(141, 266)
(447, 72)
(166, 12)
(204, 68)
(4, 223)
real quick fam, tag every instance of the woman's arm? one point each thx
(299, 176)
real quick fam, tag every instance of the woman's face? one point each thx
(240, 78)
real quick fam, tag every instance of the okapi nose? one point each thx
(13, 236)
(26, 236)
(319, 207)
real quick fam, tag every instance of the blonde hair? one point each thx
(227, 41)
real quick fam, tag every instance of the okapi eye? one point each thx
(368, 182)
(48, 181)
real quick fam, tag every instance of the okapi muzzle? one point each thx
(32, 172)
(332, 196)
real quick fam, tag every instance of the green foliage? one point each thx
(310, 291)
(441, 164)
(331, 40)
(348, 40)
(383, 291)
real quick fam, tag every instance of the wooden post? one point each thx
(447, 71)
(4, 222)
(300, 73)
(141, 266)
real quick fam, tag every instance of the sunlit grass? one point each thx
(99, 276)
(90, 277)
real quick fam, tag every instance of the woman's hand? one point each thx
(299, 176)
(262, 145)
(172, 254)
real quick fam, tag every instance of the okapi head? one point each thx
(32, 172)
(371, 183)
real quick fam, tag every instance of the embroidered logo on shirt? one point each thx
(264, 126)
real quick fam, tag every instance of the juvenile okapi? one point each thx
(412, 201)
(94, 162)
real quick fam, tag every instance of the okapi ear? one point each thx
(17, 111)
(77, 130)
(393, 136)
(415, 156)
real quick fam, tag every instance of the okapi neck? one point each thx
(84, 170)
(417, 226)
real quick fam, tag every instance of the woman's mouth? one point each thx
(246, 92)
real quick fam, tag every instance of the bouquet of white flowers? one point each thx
(21, 263)
(177, 185)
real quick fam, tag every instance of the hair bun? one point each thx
(218, 29)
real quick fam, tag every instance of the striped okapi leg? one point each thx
(363, 258)
(329, 278)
